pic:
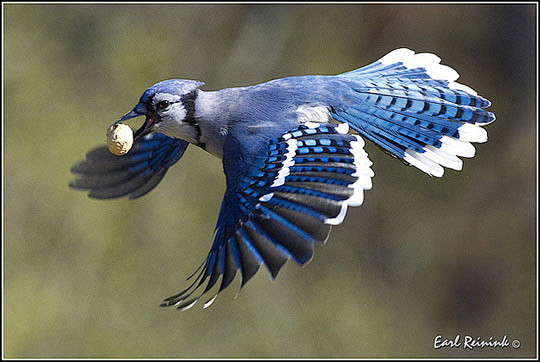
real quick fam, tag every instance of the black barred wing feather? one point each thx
(108, 176)
(308, 178)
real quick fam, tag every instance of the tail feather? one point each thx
(413, 108)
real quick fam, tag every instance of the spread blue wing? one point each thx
(413, 108)
(107, 176)
(287, 201)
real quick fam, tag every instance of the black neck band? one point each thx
(188, 101)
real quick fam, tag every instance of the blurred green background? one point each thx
(422, 257)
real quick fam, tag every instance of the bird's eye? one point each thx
(162, 105)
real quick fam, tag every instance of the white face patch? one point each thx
(174, 109)
(176, 112)
(173, 106)
(172, 118)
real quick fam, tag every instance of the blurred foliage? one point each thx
(421, 257)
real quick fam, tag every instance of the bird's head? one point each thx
(169, 107)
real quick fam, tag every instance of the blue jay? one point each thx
(293, 153)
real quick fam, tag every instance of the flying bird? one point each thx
(292, 152)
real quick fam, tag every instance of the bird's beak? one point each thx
(131, 114)
(146, 128)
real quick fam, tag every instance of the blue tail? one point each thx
(411, 106)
